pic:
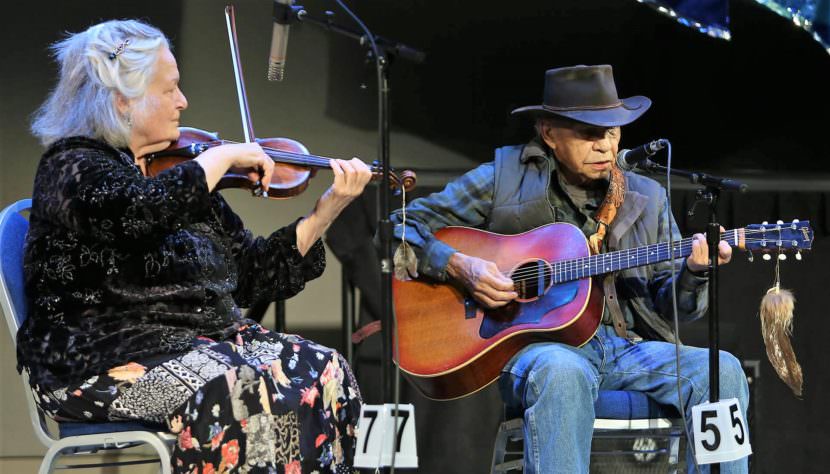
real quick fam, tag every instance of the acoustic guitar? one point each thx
(450, 347)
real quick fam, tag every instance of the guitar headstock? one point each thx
(780, 237)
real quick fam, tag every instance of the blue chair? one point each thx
(73, 438)
(619, 414)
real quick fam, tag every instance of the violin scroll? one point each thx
(405, 180)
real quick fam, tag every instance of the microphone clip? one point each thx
(285, 12)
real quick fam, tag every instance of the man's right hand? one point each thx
(483, 279)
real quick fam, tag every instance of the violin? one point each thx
(294, 165)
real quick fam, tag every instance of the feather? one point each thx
(776, 328)
(406, 263)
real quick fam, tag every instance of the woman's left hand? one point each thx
(350, 179)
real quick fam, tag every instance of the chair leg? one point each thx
(498, 449)
(163, 452)
(49, 459)
(508, 430)
(674, 452)
(158, 444)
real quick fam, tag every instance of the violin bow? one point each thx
(244, 111)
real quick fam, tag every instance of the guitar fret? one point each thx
(592, 265)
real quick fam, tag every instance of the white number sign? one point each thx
(376, 435)
(720, 432)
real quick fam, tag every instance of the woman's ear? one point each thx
(121, 103)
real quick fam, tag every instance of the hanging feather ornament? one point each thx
(777, 328)
(404, 260)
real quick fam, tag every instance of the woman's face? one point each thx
(155, 116)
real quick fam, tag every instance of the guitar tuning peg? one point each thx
(798, 255)
(796, 221)
(782, 256)
(779, 222)
(767, 256)
(750, 257)
(765, 223)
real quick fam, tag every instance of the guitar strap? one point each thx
(604, 216)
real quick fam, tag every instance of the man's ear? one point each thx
(547, 136)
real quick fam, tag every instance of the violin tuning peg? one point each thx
(798, 255)
(750, 257)
(767, 256)
(782, 256)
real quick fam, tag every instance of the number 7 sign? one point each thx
(377, 436)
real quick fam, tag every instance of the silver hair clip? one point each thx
(119, 49)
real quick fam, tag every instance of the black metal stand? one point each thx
(348, 310)
(709, 197)
(379, 49)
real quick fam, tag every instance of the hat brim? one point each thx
(630, 110)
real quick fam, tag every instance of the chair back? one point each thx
(13, 228)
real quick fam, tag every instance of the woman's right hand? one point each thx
(242, 158)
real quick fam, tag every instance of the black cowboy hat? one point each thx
(586, 94)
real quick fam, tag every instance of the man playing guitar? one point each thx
(568, 174)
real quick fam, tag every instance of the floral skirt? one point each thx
(265, 402)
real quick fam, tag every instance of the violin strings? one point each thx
(299, 158)
(289, 157)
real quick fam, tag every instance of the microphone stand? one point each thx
(381, 50)
(708, 196)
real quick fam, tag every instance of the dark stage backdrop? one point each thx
(759, 101)
(755, 105)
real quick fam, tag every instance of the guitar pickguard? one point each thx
(532, 312)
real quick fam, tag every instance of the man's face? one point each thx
(585, 152)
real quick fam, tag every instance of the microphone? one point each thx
(628, 160)
(279, 39)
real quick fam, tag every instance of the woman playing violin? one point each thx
(135, 283)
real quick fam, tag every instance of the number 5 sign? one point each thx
(376, 434)
(720, 432)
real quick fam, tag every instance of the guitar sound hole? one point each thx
(532, 279)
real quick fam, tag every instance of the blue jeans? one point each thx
(556, 386)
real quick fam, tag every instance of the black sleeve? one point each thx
(94, 193)
(269, 267)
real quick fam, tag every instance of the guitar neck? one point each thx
(584, 267)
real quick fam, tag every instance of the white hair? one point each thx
(92, 75)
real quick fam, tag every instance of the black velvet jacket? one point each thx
(120, 267)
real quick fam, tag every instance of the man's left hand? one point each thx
(698, 260)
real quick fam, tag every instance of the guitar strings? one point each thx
(565, 267)
(568, 270)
